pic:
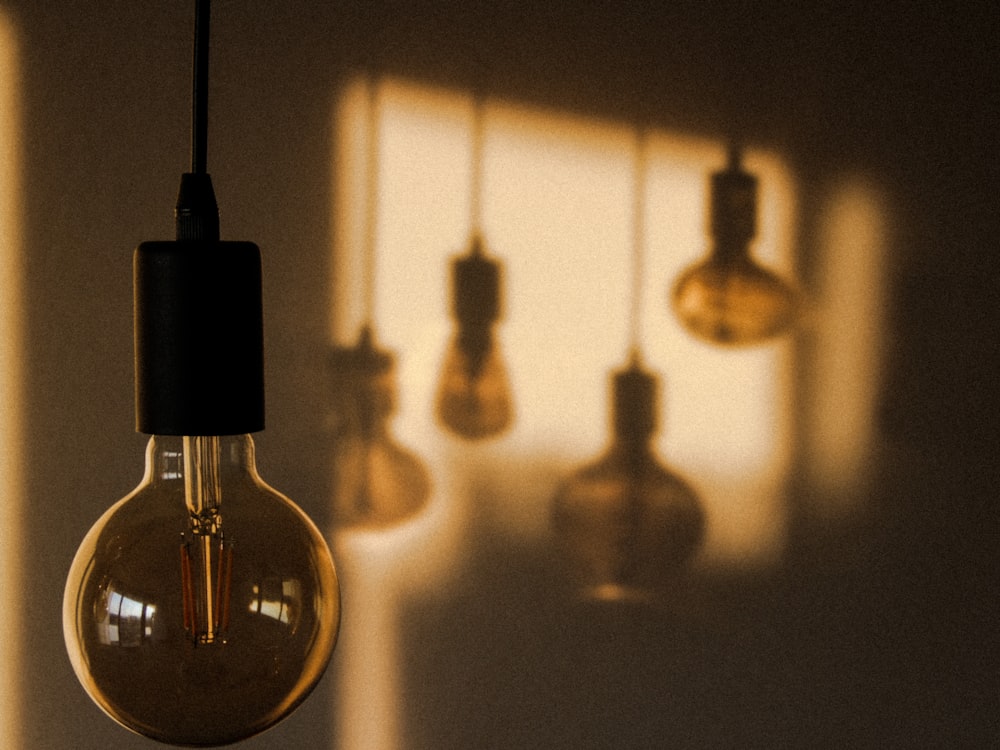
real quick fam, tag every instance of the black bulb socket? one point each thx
(199, 333)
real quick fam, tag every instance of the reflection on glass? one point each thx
(278, 599)
(202, 608)
(124, 621)
(625, 522)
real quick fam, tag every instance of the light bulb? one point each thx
(474, 400)
(203, 607)
(625, 522)
(728, 298)
(377, 482)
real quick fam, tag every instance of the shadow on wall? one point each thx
(871, 641)
(478, 637)
(847, 650)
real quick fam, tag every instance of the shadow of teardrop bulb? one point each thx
(473, 399)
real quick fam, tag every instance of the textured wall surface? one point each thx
(881, 634)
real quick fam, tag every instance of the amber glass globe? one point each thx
(625, 522)
(203, 607)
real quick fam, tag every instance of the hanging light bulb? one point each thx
(377, 482)
(728, 298)
(625, 522)
(203, 607)
(473, 395)
(474, 398)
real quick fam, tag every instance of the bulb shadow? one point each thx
(802, 654)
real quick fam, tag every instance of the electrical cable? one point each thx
(199, 94)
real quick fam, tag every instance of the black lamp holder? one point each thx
(199, 343)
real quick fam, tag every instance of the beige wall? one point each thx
(867, 636)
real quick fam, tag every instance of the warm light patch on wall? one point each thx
(416, 135)
(11, 267)
(845, 374)
(557, 197)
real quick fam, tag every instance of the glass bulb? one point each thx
(474, 396)
(377, 482)
(625, 522)
(733, 301)
(203, 607)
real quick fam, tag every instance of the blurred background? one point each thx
(845, 594)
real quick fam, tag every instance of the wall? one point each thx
(873, 634)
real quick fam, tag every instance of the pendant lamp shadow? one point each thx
(625, 522)
(728, 298)
(376, 481)
(474, 400)
(203, 607)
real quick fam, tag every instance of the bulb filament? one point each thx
(206, 555)
(206, 579)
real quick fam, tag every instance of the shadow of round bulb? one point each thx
(728, 298)
(734, 301)
(203, 607)
(625, 522)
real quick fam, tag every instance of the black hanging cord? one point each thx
(199, 94)
(197, 214)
